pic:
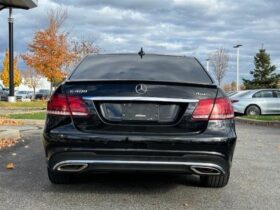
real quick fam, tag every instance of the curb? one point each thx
(10, 134)
(258, 122)
(24, 108)
(21, 122)
(33, 122)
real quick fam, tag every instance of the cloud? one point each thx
(184, 27)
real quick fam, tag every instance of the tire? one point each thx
(58, 178)
(215, 181)
(253, 110)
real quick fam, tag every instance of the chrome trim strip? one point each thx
(139, 98)
(137, 162)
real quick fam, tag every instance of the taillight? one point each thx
(222, 110)
(77, 106)
(203, 109)
(211, 109)
(59, 104)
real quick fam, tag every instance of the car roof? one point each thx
(263, 89)
(250, 92)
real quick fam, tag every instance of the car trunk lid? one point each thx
(117, 107)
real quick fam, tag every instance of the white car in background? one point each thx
(23, 94)
(257, 102)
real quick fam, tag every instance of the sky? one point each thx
(180, 27)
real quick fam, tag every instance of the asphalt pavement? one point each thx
(254, 182)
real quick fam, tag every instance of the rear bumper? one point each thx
(213, 149)
(147, 156)
(239, 108)
(91, 162)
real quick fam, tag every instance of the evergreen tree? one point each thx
(264, 75)
(5, 71)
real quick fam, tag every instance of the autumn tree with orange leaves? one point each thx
(49, 52)
(4, 75)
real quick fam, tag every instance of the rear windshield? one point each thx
(149, 68)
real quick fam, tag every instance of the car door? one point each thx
(277, 96)
(266, 101)
(1, 92)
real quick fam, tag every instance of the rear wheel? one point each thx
(215, 180)
(253, 110)
(59, 178)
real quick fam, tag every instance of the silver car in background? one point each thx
(3, 93)
(257, 102)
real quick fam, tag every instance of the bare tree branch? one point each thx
(219, 62)
(57, 16)
(80, 49)
(32, 79)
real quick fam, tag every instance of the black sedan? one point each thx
(140, 113)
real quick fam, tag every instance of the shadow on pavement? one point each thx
(125, 183)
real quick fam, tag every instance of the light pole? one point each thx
(11, 97)
(237, 65)
(18, 4)
(207, 64)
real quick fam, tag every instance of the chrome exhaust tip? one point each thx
(206, 170)
(71, 167)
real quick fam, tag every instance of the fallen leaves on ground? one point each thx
(10, 166)
(7, 142)
(6, 121)
(187, 206)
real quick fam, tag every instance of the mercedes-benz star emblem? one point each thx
(141, 89)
